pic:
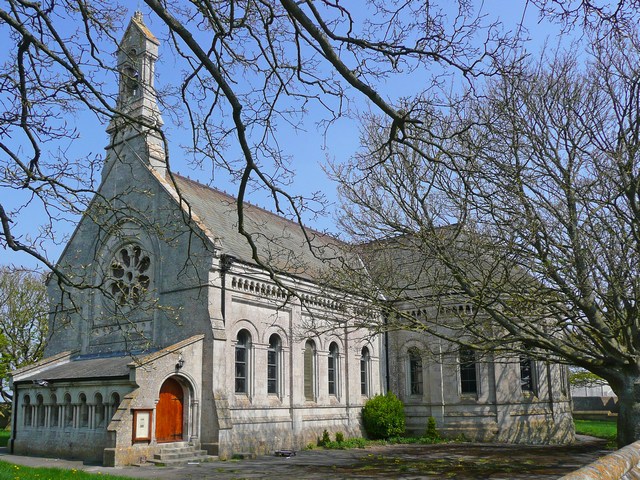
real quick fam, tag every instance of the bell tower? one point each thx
(135, 129)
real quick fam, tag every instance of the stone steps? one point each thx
(181, 454)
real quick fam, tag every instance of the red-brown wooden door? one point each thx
(169, 412)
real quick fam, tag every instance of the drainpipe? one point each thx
(225, 265)
(385, 320)
(14, 417)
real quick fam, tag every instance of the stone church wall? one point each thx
(497, 408)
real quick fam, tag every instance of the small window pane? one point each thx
(364, 372)
(332, 369)
(415, 372)
(468, 375)
(526, 374)
(241, 363)
(309, 380)
(273, 354)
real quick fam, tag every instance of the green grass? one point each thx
(598, 428)
(9, 471)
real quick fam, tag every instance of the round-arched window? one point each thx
(129, 275)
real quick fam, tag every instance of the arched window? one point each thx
(415, 372)
(54, 419)
(28, 413)
(99, 411)
(468, 373)
(68, 411)
(365, 360)
(309, 370)
(526, 375)
(114, 404)
(243, 345)
(333, 369)
(40, 413)
(84, 411)
(273, 364)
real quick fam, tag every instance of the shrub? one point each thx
(431, 432)
(339, 437)
(383, 416)
(325, 440)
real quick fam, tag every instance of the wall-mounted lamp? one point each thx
(180, 362)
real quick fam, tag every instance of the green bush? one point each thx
(431, 432)
(383, 416)
(325, 440)
(339, 437)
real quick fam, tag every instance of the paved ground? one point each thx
(444, 461)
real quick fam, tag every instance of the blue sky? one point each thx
(309, 148)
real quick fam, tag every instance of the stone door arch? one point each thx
(170, 412)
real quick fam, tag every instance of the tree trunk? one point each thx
(629, 411)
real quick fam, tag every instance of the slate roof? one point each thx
(105, 366)
(78, 369)
(280, 242)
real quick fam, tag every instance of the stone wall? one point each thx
(623, 464)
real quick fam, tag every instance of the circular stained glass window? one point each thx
(129, 275)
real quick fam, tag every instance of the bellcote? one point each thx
(139, 118)
(137, 55)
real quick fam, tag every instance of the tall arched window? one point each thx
(415, 372)
(468, 373)
(54, 420)
(364, 371)
(273, 364)
(84, 411)
(333, 369)
(40, 413)
(99, 411)
(28, 413)
(114, 404)
(68, 411)
(309, 370)
(526, 375)
(243, 344)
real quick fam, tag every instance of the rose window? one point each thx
(129, 275)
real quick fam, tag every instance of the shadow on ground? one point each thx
(461, 461)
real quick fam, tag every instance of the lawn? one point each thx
(606, 429)
(9, 471)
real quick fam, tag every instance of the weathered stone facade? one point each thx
(496, 406)
(185, 338)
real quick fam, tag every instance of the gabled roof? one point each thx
(280, 242)
(138, 22)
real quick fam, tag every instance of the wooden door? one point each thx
(169, 412)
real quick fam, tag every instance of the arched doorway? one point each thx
(170, 412)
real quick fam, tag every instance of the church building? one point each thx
(183, 342)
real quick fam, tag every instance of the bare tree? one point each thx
(243, 70)
(23, 322)
(611, 16)
(526, 205)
